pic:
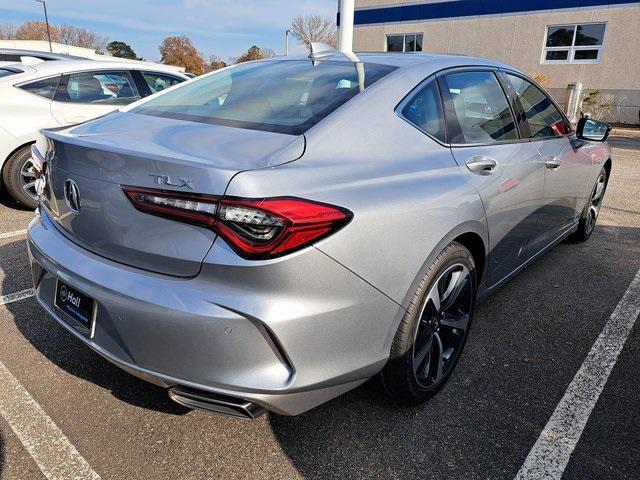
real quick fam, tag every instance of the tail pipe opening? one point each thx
(212, 402)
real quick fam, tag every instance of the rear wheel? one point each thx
(433, 332)
(592, 210)
(20, 179)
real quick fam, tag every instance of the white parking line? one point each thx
(16, 233)
(550, 455)
(14, 297)
(56, 457)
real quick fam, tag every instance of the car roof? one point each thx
(38, 54)
(403, 60)
(69, 66)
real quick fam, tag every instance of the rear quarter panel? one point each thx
(406, 191)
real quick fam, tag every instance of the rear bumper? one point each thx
(225, 335)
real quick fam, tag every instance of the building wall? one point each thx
(517, 39)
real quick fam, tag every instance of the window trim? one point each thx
(411, 95)
(571, 49)
(504, 72)
(451, 119)
(404, 41)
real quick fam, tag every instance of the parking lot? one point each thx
(527, 344)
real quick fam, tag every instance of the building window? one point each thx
(406, 42)
(577, 43)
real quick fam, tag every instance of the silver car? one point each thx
(276, 233)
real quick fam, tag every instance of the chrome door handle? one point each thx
(553, 162)
(482, 165)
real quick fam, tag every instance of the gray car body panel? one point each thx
(291, 332)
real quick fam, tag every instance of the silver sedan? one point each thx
(276, 233)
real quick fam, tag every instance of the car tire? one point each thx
(589, 216)
(14, 180)
(407, 376)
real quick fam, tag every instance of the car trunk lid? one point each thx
(98, 158)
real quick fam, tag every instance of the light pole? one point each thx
(286, 42)
(46, 19)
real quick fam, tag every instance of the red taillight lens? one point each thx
(262, 228)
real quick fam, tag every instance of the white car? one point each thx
(58, 94)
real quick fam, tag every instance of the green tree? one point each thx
(121, 50)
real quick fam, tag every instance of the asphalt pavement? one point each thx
(525, 347)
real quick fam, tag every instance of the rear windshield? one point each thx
(277, 96)
(6, 72)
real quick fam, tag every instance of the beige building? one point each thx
(594, 42)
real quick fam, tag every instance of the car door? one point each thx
(85, 95)
(566, 167)
(507, 173)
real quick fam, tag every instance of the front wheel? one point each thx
(20, 177)
(433, 332)
(590, 214)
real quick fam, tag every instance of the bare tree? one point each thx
(267, 53)
(255, 53)
(215, 63)
(8, 31)
(81, 37)
(314, 28)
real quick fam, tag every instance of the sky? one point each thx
(225, 28)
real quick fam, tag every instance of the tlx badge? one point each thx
(166, 180)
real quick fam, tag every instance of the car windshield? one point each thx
(283, 96)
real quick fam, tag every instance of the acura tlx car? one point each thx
(276, 233)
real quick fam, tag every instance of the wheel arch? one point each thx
(472, 235)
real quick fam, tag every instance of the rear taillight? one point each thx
(254, 228)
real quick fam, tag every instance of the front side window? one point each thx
(481, 108)
(406, 42)
(99, 87)
(159, 81)
(577, 43)
(544, 119)
(45, 88)
(424, 110)
(276, 96)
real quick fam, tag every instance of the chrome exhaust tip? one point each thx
(212, 402)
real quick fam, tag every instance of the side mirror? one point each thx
(592, 130)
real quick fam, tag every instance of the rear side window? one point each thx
(277, 96)
(45, 88)
(480, 107)
(158, 81)
(99, 87)
(424, 110)
(544, 119)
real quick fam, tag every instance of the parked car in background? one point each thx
(274, 234)
(60, 93)
(16, 55)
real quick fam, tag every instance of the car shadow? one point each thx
(624, 142)
(9, 202)
(63, 349)
(526, 344)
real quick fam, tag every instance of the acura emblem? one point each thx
(72, 195)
